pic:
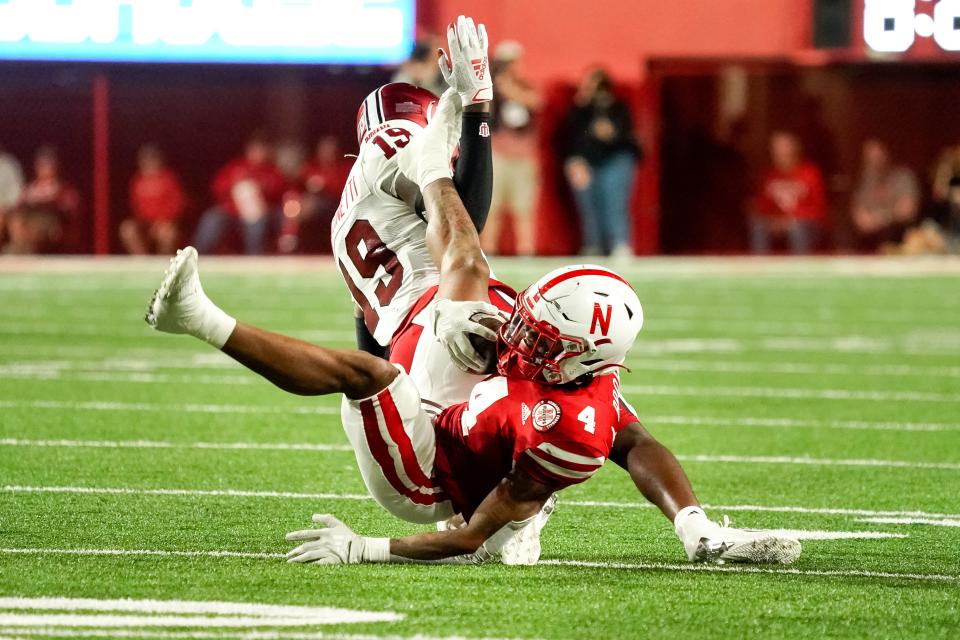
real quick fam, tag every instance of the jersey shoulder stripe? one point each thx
(569, 457)
(562, 468)
(549, 472)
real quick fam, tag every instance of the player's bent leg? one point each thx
(307, 369)
(395, 445)
(181, 306)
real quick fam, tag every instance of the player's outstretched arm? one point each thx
(465, 67)
(662, 481)
(451, 236)
(513, 502)
(654, 469)
(454, 244)
(508, 507)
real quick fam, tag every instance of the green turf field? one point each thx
(805, 395)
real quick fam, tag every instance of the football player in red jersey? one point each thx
(548, 420)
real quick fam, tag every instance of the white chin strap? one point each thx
(573, 368)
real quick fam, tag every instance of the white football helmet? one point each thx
(576, 320)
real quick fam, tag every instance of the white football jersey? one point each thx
(378, 240)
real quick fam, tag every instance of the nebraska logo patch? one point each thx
(546, 413)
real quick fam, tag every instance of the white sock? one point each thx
(691, 524)
(215, 325)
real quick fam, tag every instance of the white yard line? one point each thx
(804, 368)
(323, 615)
(753, 569)
(890, 395)
(144, 375)
(170, 408)
(37, 551)
(805, 534)
(154, 365)
(787, 423)
(53, 632)
(829, 462)
(756, 508)
(152, 444)
(931, 521)
(242, 493)
(220, 493)
(639, 566)
(132, 377)
(164, 444)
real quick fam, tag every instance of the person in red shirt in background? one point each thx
(157, 203)
(247, 191)
(46, 218)
(791, 201)
(323, 178)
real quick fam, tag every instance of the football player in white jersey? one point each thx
(378, 231)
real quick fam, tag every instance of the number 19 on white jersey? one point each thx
(378, 240)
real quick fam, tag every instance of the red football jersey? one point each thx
(558, 435)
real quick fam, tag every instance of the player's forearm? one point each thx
(434, 546)
(660, 478)
(654, 470)
(454, 244)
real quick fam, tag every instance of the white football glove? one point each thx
(453, 321)
(466, 67)
(336, 543)
(429, 155)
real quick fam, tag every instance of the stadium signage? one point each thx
(278, 31)
(893, 26)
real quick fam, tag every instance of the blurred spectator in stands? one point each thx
(322, 181)
(11, 185)
(45, 219)
(945, 210)
(886, 199)
(515, 179)
(290, 160)
(600, 159)
(951, 220)
(421, 68)
(247, 191)
(947, 168)
(157, 203)
(790, 201)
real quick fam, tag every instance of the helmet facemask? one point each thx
(535, 350)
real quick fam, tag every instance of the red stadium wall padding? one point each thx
(563, 37)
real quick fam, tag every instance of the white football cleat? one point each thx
(756, 546)
(524, 547)
(179, 305)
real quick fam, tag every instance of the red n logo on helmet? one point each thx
(600, 319)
